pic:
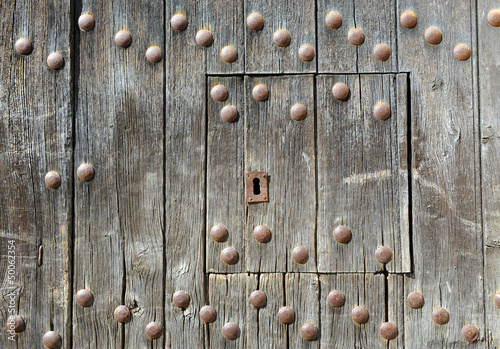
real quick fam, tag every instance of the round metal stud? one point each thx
(300, 255)
(23, 46)
(229, 113)
(461, 52)
(336, 298)
(306, 53)
(180, 299)
(469, 333)
(179, 21)
(52, 340)
(415, 300)
(342, 234)
(360, 315)
(309, 332)
(258, 299)
(381, 52)
(262, 234)
(153, 54)
(228, 54)
(15, 323)
(281, 38)
(84, 298)
(207, 314)
(85, 172)
(383, 254)
(154, 330)
(204, 38)
(260, 92)
(298, 112)
(333, 20)
(496, 299)
(255, 21)
(122, 314)
(231, 331)
(219, 233)
(388, 330)
(381, 111)
(440, 316)
(55, 60)
(408, 19)
(286, 315)
(356, 36)
(86, 22)
(229, 256)
(494, 18)
(219, 93)
(123, 38)
(52, 180)
(433, 36)
(340, 91)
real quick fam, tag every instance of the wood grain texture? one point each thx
(489, 62)
(447, 239)
(225, 170)
(285, 149)
(359, 175)
(396, 305)
(35, 137)
(262, 55)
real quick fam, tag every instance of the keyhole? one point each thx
(256, 186)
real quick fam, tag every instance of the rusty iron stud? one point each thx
(52, 180)
(55, 60)
(388, 330)
(255, 21)
(356, 36)
(408, 19)
(153, 54)
(309, 332)
(381, 52)
(383, 254)
(333, 20)
(360, 315)
(381, 111)
(85, 172)
(494, 18)
(281, 38)
(461, 52)
(86, 22)
(229, 113)
(469, 333)
(122, 314)
(180, 299)
(440, 316)
(219, 93)
(258, 299)
(228, 54)
(415, 300)
(179, 21)
(52, 340)
(286, 315)
(204, 38)
(298, 112)
(260, 92)
(219, 233)
(154, 330)
(84, 298)
(15, 323)
(23, 46)
(123, 38)
(433, 36)
(231, 331)
(262, 234)
(336, 298)
(306, 52)
(207, 314)
(229, 256)
(342, 234)
(300, 255)
(496, 299)
(340, 91)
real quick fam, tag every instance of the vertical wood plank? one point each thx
(285, 149)
(447, 239)
(36, 137)
(262, 55)
(396, 304)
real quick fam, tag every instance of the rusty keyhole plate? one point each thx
(256, 186)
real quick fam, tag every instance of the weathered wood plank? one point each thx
(36, 137)
(262, 55)
(447, 239)
(285, 149)
(396, 304)
(225, 171)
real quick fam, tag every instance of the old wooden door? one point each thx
(250, 174)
